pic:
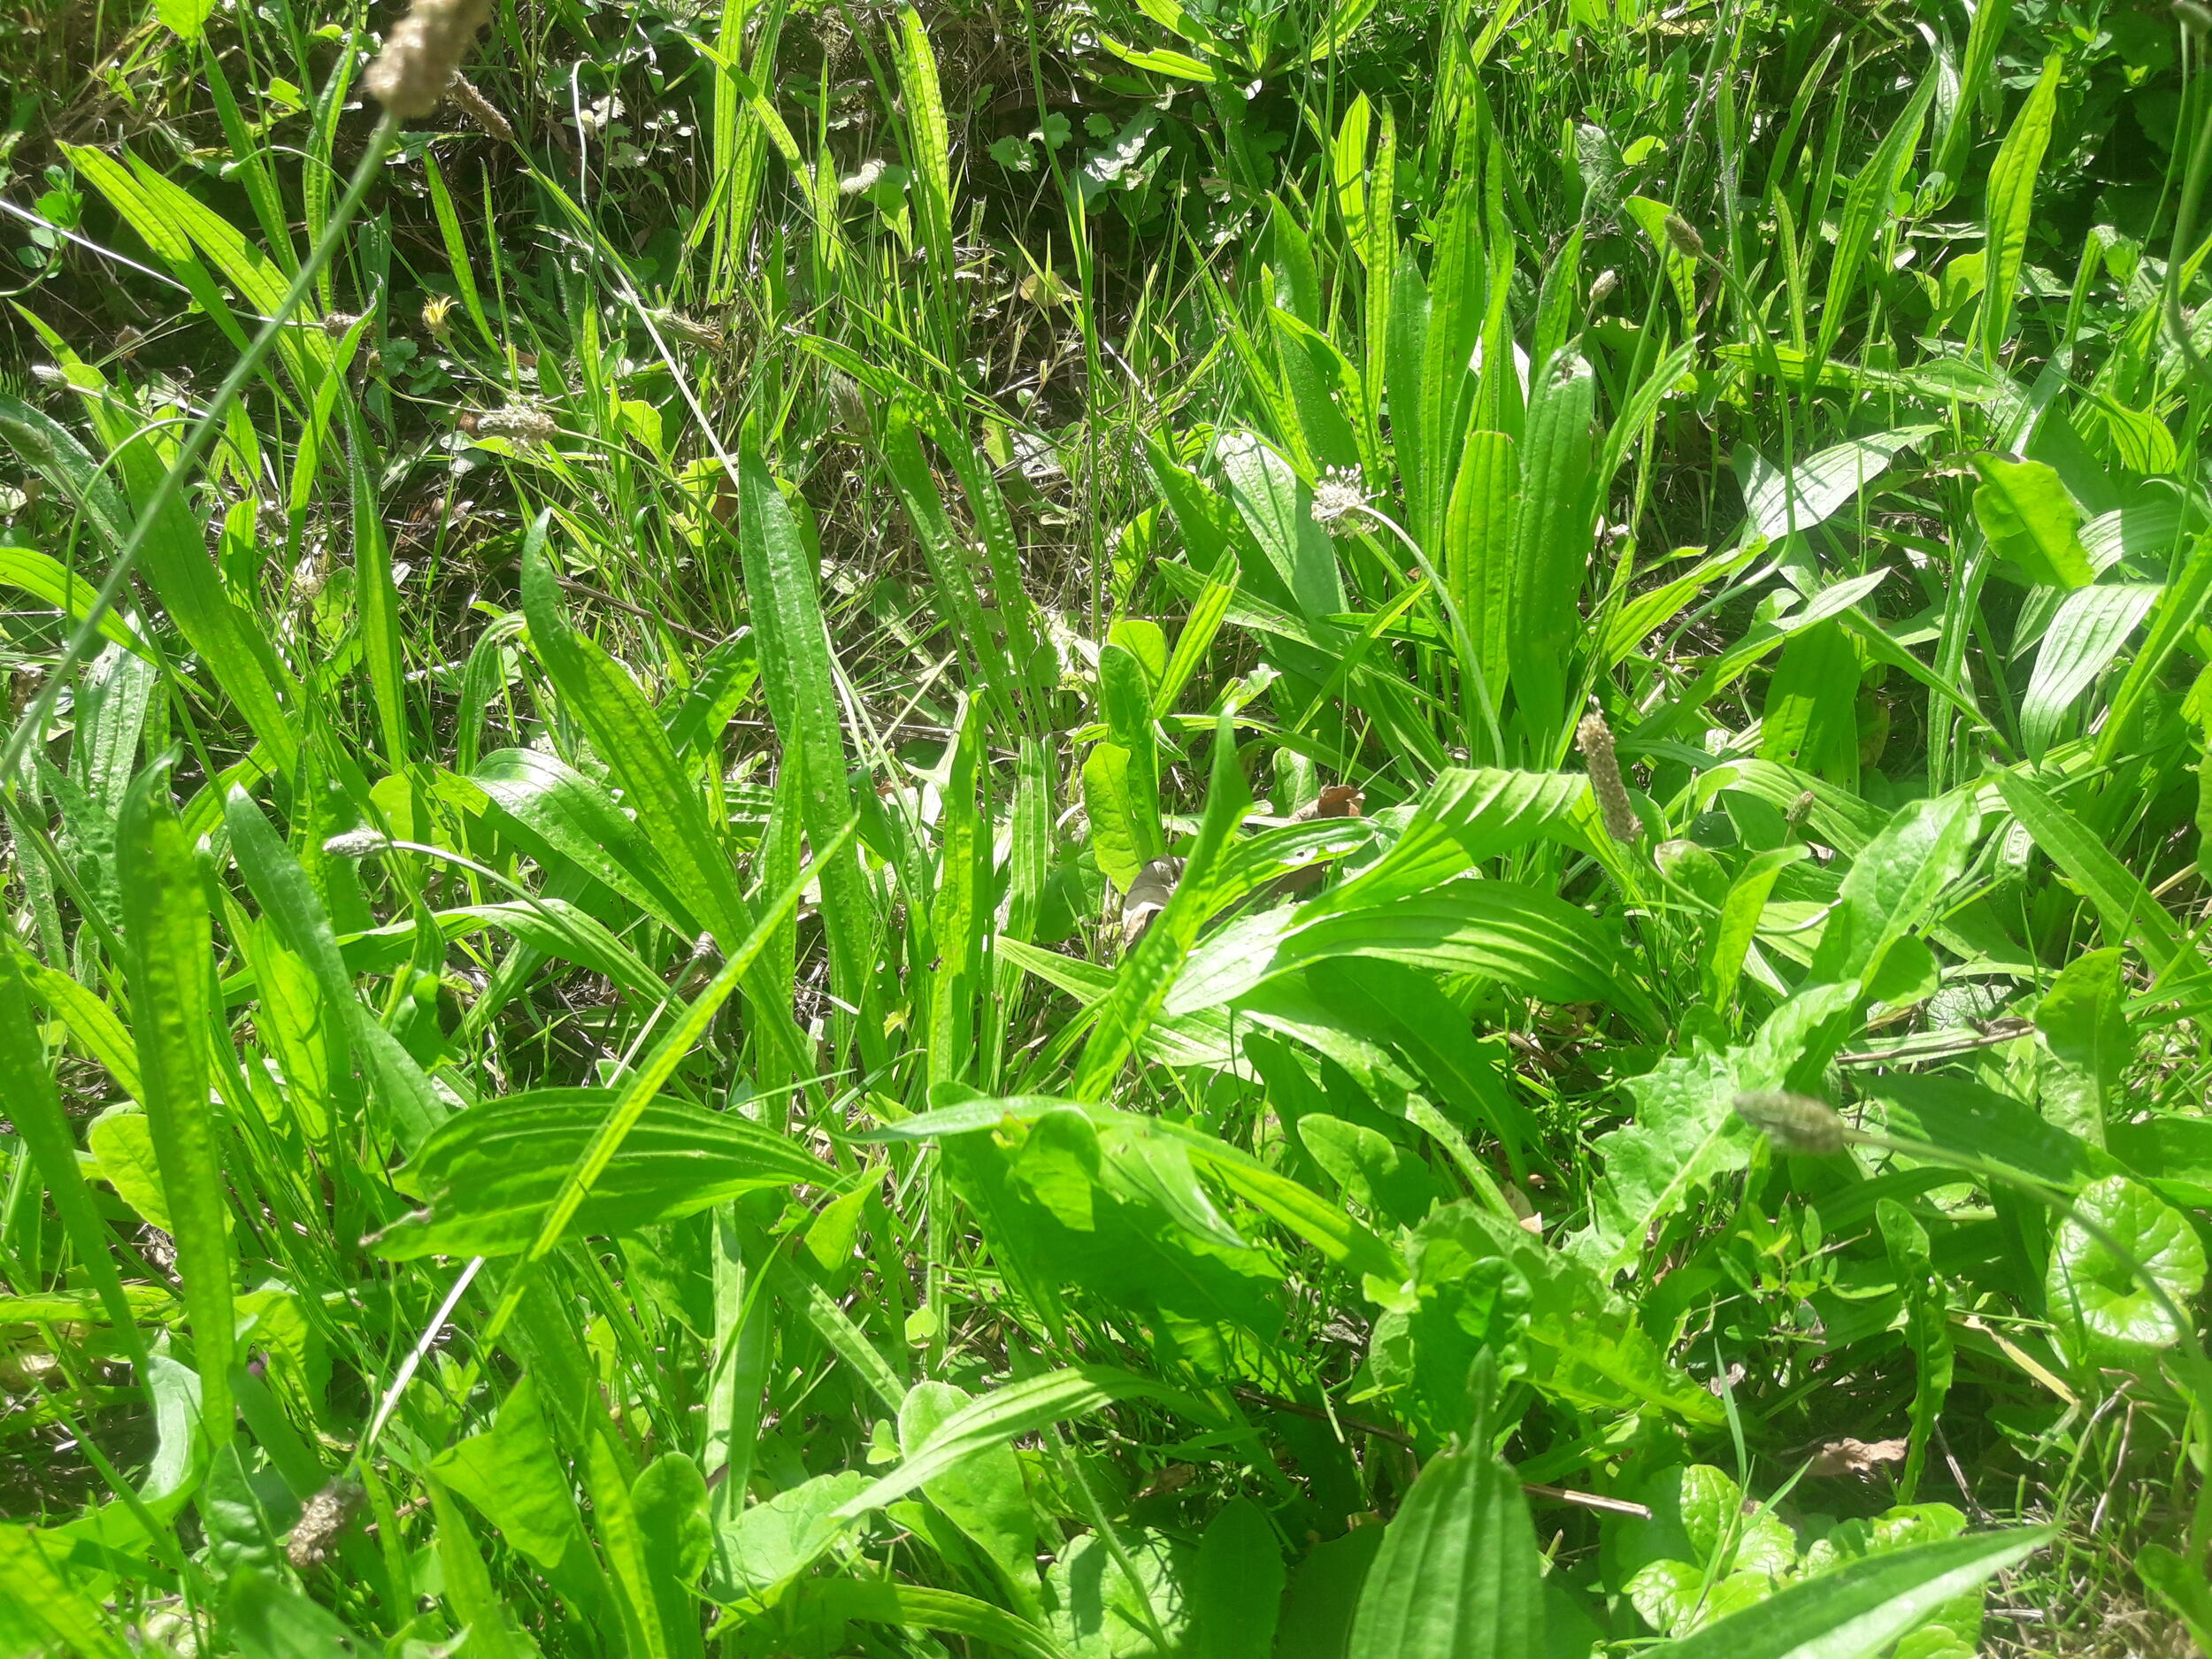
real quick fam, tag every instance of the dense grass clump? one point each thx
(1248, 831)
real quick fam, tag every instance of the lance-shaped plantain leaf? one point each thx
(490, 1175)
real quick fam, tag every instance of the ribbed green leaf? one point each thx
(1552, 538)
(492, 1174)
(2091, 627)
(1860, 1609)
(2011, 204)
(798, 673)
(167, 936)
(1459, 1576)
(1480, 532)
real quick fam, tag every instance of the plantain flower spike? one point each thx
(423, 54)
(1594, 738)
(1795, 1123)
(1684, 236)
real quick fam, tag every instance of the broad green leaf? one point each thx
(469, 1590)
(1551, 536)
(1236, 1588)
(35, 1109)
(492, 1174)
(1462, 818)
(173, 558)
(1480, 532)
(1468, 1076)
(268, 1619)
(669, 1502)
(1538, 944)
(2091, 629)
(1867, 207)
(514, 1474)
(1893, 885)
(561, 812)
(1859, 1609)
(773, 1541)
(44, 1603)
(1110, 1602)
(1687, 1133)
(2010, 197)
(1377, 1175)
(2096, 1286)
(1141, 987)
(1304, 1211)
(1728, 935)
(928, 142)
(1017, 1408)
(1779, 503)
(1927, 1330)
(1964, 1117)
(2183, 1585)
(798, 674)
(821, 1603)
(602, 696)
(1124, 824)
(121, 1141)
(1277, 510)
(983, 1494)
(1459, 1576)
(948, 555)
(52, 582)
(187, 18)
(846, 1340)
(2031, 519)
(2178, 610)
(2083, 1021)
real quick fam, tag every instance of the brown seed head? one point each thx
(322, 1518)
(422, 54)
(461, 93)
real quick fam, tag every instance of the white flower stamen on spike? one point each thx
(1338, 500)
(355, 843)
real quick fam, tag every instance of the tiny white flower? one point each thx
(1338, 500)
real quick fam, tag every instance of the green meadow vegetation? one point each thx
(1105, 829)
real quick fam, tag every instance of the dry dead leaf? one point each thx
(1147, 897)
(1858, 1458)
